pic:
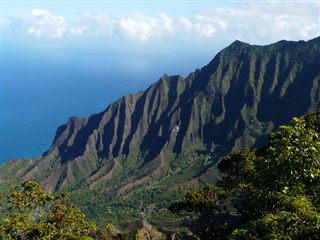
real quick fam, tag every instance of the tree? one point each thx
(208, 202)
(31, 213)
(292, 218)
(275, 189)
(203, 207)
(280, 187)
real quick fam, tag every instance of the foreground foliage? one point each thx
(31, 213)
(275, 190)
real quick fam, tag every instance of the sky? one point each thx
(146, 24)
(96, 51)
(140, 29)
(162, 36)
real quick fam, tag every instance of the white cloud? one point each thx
(142, 28)
(77, 30)
(101, 24)
(253, 22)
(167, 22)
(138, 27)
(39, 12)
(205, 30)
(186, 23)
(42, 23)
(266, 22)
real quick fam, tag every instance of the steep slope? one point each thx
(243, 94)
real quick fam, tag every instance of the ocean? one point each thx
(31, 112)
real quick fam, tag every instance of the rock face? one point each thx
(235, 101)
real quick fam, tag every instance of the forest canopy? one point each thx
(273, 191)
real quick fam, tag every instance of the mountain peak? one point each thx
(237, 43)
(238, 47)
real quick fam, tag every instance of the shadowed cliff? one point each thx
(234, 102)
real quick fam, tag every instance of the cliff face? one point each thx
(234, 102)
(134, 120)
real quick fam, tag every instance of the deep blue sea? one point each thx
(38, 94)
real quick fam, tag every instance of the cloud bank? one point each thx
(250, 22)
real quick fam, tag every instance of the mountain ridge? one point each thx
(233, 102)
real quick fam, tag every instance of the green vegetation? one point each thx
(274, 190)
(267, 193)
(161, 191)
(206, 202)
(30, 213)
